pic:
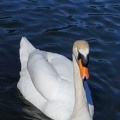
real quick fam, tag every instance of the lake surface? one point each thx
(53, 25)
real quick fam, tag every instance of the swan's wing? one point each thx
(62, 65)
(49, 72)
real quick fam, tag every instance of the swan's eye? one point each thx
(85, 60)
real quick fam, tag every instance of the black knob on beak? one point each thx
(85, 60)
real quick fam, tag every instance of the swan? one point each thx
(54, 84)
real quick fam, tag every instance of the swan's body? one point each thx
(47, 81)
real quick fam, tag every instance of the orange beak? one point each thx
(83, 70)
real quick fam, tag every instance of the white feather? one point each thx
(46, 80)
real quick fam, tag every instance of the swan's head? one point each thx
(81, 54)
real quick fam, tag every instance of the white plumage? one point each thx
(46, 80)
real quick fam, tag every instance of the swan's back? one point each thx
(46, 80)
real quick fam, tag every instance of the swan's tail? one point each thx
(25, 49)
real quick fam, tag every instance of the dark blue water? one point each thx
(54, 25)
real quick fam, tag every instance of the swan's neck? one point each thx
(81, 111)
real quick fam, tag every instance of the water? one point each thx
(54, 25)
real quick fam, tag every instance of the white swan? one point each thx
(54, 84)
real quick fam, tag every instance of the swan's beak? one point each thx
(83, 70)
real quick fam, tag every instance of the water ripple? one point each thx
(53, 25)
